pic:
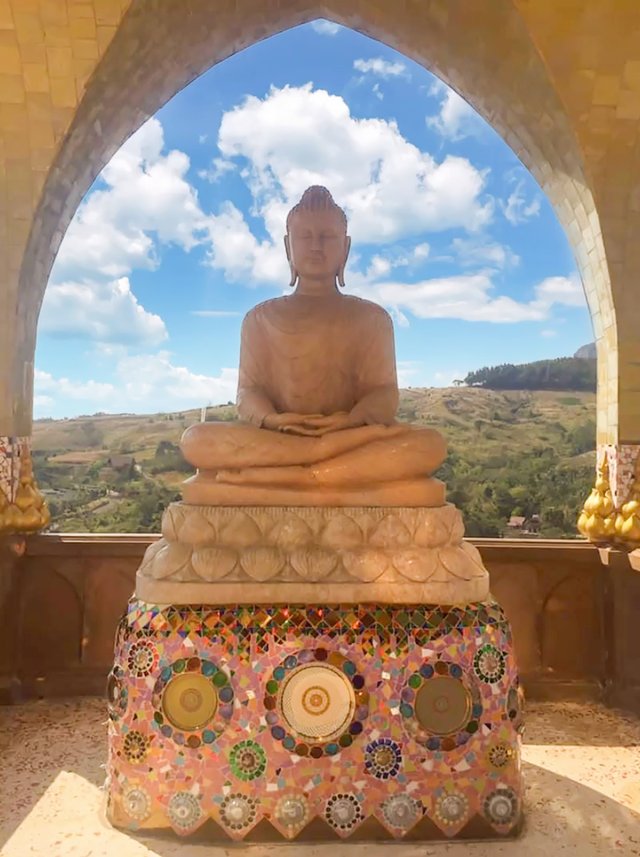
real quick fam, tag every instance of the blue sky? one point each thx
(182, 232)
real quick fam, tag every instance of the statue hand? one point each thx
(334, 422)
(290, 422)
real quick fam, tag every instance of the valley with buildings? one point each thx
(520, 462)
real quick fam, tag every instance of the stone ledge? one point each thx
(281, 592)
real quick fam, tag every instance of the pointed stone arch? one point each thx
(563, 103)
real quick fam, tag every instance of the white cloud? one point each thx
(389, 187)
(471, 252)
(456, 119)
(143, 383)
(219, 167)
(421, 251)
(326, 28)
(149, 378)
(147, 194)
(567, 291)
(378, 267)
(547, 333)
(379, 94)
(107, 311)
(381, 67)
(47, 389)
(516, 209)
(234, 249)
(468, 297)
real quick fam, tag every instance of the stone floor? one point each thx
(582, 770)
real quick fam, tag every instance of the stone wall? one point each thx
(69, 592)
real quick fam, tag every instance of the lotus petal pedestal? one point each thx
(312, 688)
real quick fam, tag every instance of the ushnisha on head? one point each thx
(316, 242)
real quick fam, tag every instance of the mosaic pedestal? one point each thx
(316, 722)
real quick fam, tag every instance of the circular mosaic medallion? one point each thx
(248, 760)
(292, 811)
(501, 806)
(489, 663)
(142, 658)
(343, 811)
(238, 811)
(401, 811)
(382, 758)
(441, 706)
(193, 702)
(451, 808)
(135, 746)
(117, 694)
(189, 701)
(315, 702)
(184, 810)
(500, 755)
(136, 802)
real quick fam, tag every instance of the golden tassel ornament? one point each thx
(628, 517)
(597, 519)
(29, 512)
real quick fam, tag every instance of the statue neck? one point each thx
(320, 288)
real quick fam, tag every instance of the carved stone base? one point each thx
(209, 554)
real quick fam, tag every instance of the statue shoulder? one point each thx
(369, 311)
(263, 311)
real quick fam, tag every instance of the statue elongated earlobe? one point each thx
(294, 273)
(341, 282)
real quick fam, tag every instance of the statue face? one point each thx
(317, 244)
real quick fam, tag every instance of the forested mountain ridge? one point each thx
(563, 373)
(511, 453)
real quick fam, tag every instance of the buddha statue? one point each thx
(317, 394)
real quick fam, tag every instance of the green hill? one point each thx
(511, 453)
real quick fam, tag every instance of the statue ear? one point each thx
(294, 273)
(344, 264)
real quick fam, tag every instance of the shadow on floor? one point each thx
(54, 751)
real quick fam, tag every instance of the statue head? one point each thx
(316, 242)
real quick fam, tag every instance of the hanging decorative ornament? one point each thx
(28, 512)
(597, 520)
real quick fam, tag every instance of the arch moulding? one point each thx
(112, 69)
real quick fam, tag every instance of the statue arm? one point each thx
(377, 382)
(252, 401)
(378, 407)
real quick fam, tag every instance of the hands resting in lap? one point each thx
(310, 425)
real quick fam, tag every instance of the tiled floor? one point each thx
(582, 769)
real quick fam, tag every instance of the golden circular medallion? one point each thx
(317, 701)
(443, 705)
(189, 701)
